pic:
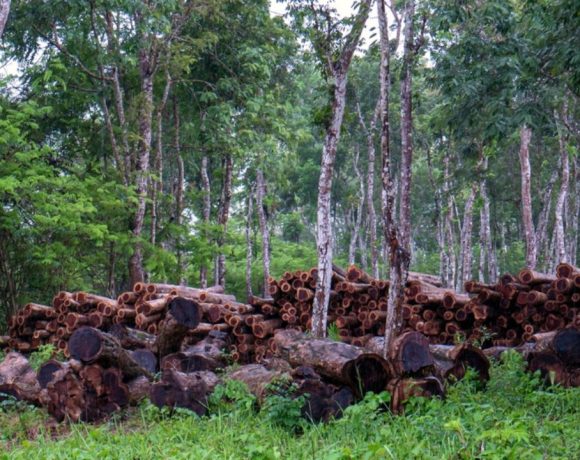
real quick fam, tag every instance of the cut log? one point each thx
(257, 378)
(189, 391)
(339, 362)
(452, 361)
(18, 379)
(183, 314)
(90, 345)
(402, 389)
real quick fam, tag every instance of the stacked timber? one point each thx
(507, 313)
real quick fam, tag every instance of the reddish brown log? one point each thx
(340, 362)
(18, 379)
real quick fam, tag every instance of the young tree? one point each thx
(335, 54)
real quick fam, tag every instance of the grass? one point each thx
(513, 417)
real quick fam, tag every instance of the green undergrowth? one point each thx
(514, 417)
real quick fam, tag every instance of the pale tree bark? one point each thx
(560, 243)
(351, 224)
(338, 69)
(397, 248)
(527, 216)
(370, 188)
(157, 182)
(407, 126)
(357, 222)
(249, 212)
(205, 214)
(449, 256)
(147, 70)
(4, 11)
(574, 234)
(179, 188)
(439, 220)
(223, 217)
(466, 236)
(542, 242)
(487, 256)
(264, 229)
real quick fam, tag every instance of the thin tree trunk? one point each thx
(466, 233)
(561, 253)
(339, 70)
(223, 216)
(136, 272)
(487, 258)
(351, 223)
(359, 212)
(399, 256)
(157, 182)
(407, 128)
(529, 233)
(573, 245)
(370, 187)
(111, 290)
(4, 11)
(264, 230)
(542, 241)
(449, 256)
(206, 214)
(249, 213)
(180, 188)
(324, 227)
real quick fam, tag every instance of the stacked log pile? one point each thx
(507, 313)
(115, 346)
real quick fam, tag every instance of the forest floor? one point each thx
(514, 416)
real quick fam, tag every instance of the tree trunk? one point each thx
(530, 235)
(574, 234)
(370, 188)
(466, 231)
(339, 70)
(206, 214)
(561, 253)
(398, 251)
(249, 247)
(157, 182)
(487, 257)
(223, 216)
(4, 11)
(180, 188)
(136, 272)
(542, 241)
(264, 230)
(407, 128)
(354, 239)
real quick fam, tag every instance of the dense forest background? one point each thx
(181, 141)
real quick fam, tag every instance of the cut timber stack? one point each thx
(507, 313)
(115, 346)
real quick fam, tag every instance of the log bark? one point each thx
(189, 391)
(89, 345)
(451, 361)
(18, 379)
(339, 362)
(183, 315)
